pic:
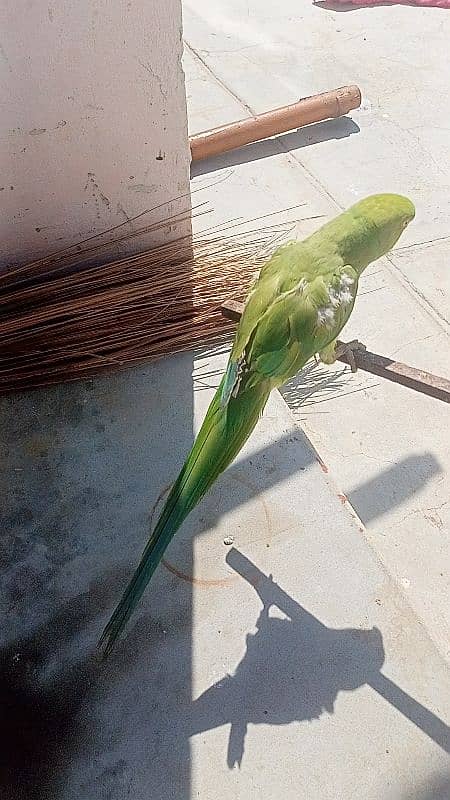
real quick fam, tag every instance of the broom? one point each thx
(63, 318)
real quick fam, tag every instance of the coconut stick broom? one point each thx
(64, 318)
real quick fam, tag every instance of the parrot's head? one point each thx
(371, 228)
(387, 216)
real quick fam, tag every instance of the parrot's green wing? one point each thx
(275, 348)
(292, 326)
(298, 323)
(281, 272)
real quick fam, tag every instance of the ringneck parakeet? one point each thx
(297, 307)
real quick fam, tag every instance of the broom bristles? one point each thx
(62, 321)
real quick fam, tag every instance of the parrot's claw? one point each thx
(349, 349)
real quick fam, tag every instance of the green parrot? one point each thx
(296, 308)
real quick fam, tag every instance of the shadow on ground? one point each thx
(391, 487)
(41, 691)
(437, 788)
(294, 669)
(81, 466)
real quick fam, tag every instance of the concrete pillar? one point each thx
(93, 123)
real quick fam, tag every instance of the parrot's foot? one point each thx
(348, 349)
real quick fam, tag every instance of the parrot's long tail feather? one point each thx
(223, 433)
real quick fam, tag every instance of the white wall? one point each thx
(93, 118)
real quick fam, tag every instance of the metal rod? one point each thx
(395, 371)
(317, 108)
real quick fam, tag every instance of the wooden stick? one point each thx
(395, 371)
(308, 110)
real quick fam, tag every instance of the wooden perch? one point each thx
(308, 110)
(395, 371)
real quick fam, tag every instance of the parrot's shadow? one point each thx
(54, 689)
(294, 668)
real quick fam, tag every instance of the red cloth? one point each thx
(429, 3)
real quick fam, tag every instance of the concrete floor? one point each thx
(318, 681)
(392, 465)
(328, 680)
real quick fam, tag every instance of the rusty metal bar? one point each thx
(395, 371)
(317, 108)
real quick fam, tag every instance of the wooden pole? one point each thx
(395, 371)
(308, 110)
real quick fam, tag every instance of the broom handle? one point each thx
(308, 110)
(395, 371)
